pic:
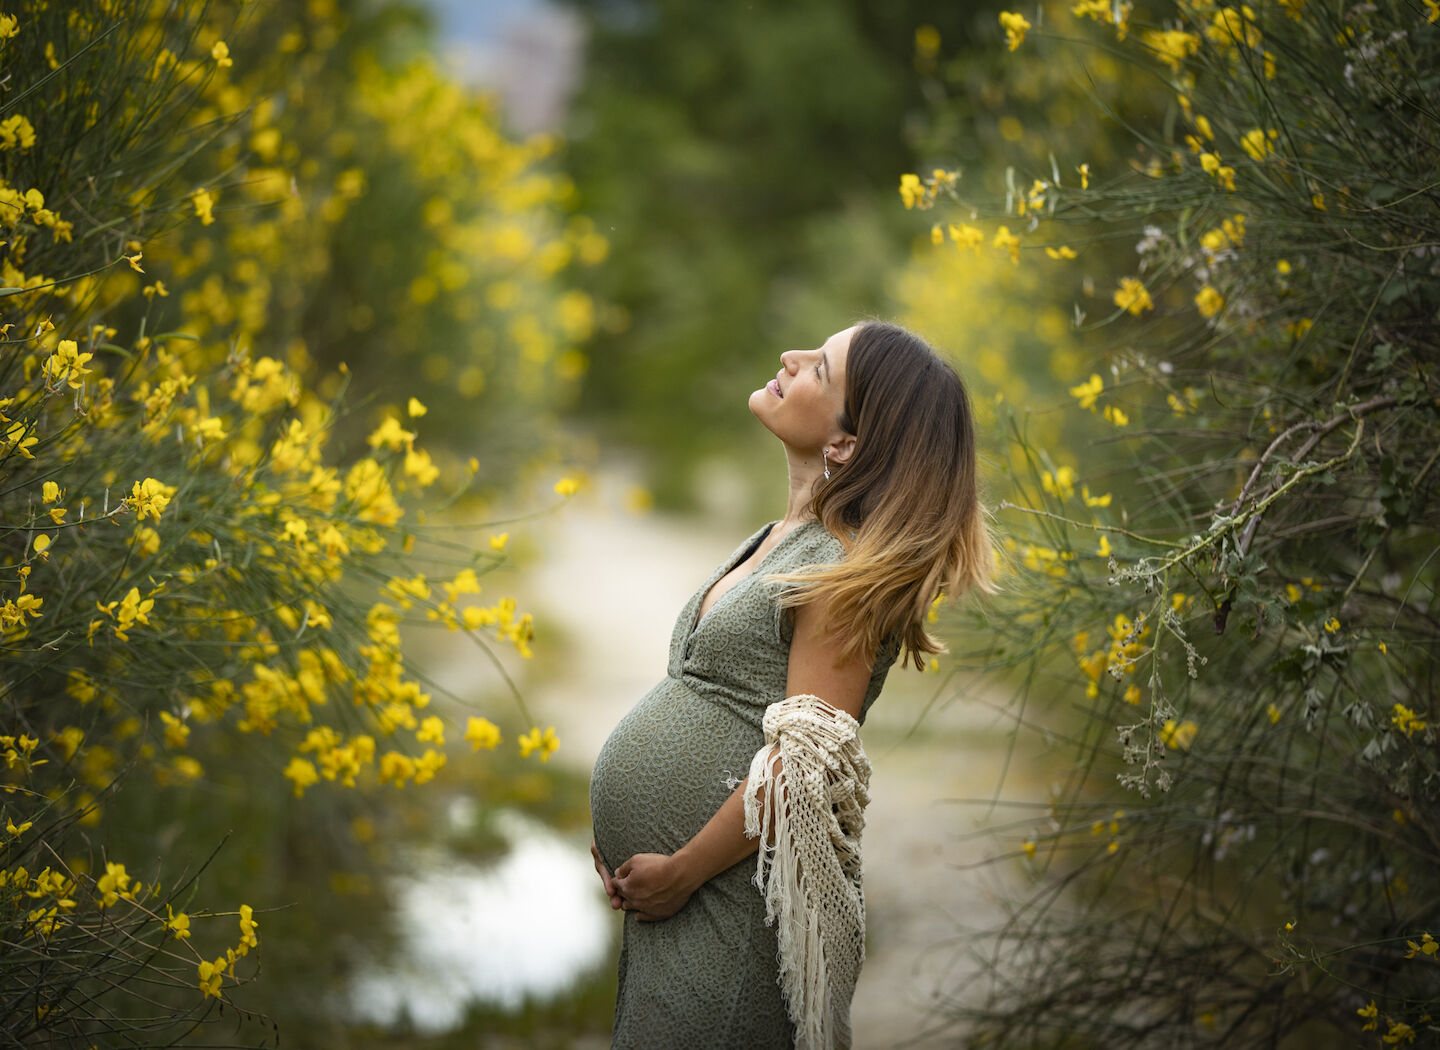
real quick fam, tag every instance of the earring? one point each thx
(825, 457)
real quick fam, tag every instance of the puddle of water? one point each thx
(525, 927)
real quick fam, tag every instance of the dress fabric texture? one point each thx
(708, 977)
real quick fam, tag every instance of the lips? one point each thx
(774, 387)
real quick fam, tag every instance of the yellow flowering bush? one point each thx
(1227, 593)
(209, 558)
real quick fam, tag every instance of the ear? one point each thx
(841, 448)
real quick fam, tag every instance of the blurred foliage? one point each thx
(380, 218)
(1222, 563)
(206, 568)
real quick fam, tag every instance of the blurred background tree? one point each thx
(742, 164)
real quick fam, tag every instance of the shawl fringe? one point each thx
(805, 801)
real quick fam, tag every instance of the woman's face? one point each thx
(802, 405)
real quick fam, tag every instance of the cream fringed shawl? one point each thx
(809, 860)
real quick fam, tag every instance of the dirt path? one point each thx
(613, 581)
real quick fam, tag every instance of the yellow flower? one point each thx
(1084, 171)
(1133, 296)
(396, 767)
(149, 498)
(1208, 301)
(432, 731)
(1178, 735)
(1104, 548)
(1224, 174)
(1116, 416)
(1427, 946)
(210, 976)
(1028, 846)
(221, 54)
(134, 261)
(1132, 694)
(113, 885)
(498, 541)
(40, 544)
(937, 235)
(9, 26)
(1432, 10)
(1113, 12)
(535, 740)
(1332, 625)
(177, 733)
(1061, 484)
(428, 764)
(415, 408)
(248, 926)
(1006, 240)
(1015, 27)
(419, 466)
(391, 435)
(67, 365)
(1406, 720)
(1370, 1011)
(1094, 501)
(150, 291)
(1172, 46)
(1273, 713)
(17, 132)
(1282, 267)
(1062, 252)
(51, 492)
(567, 487)
(132, 610)
(912, 192)
(178, 923)
(966, 236)
(1088, 391)
(204, 202)
(1256, 142)
(1399, 1032)
(1230, 27)
(481, 732)
(301, 773)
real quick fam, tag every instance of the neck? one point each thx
(805, 471)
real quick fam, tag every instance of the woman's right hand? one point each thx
(606, 878)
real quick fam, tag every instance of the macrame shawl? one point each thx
(805, 800)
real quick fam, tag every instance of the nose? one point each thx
(789, 361)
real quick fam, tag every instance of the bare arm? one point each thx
(656, 886)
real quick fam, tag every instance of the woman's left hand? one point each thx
(653, 886)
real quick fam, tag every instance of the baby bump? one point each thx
(662, 773)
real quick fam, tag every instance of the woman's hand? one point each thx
(652, 885)
(606, 878)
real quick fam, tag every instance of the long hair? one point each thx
(905, 505)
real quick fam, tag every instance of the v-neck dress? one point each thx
(706, 978)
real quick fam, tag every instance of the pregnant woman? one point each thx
(773, 663)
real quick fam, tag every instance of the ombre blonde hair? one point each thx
(905, 505)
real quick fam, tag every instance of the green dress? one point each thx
(708, 976)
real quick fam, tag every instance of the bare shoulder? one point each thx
(819, 667)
